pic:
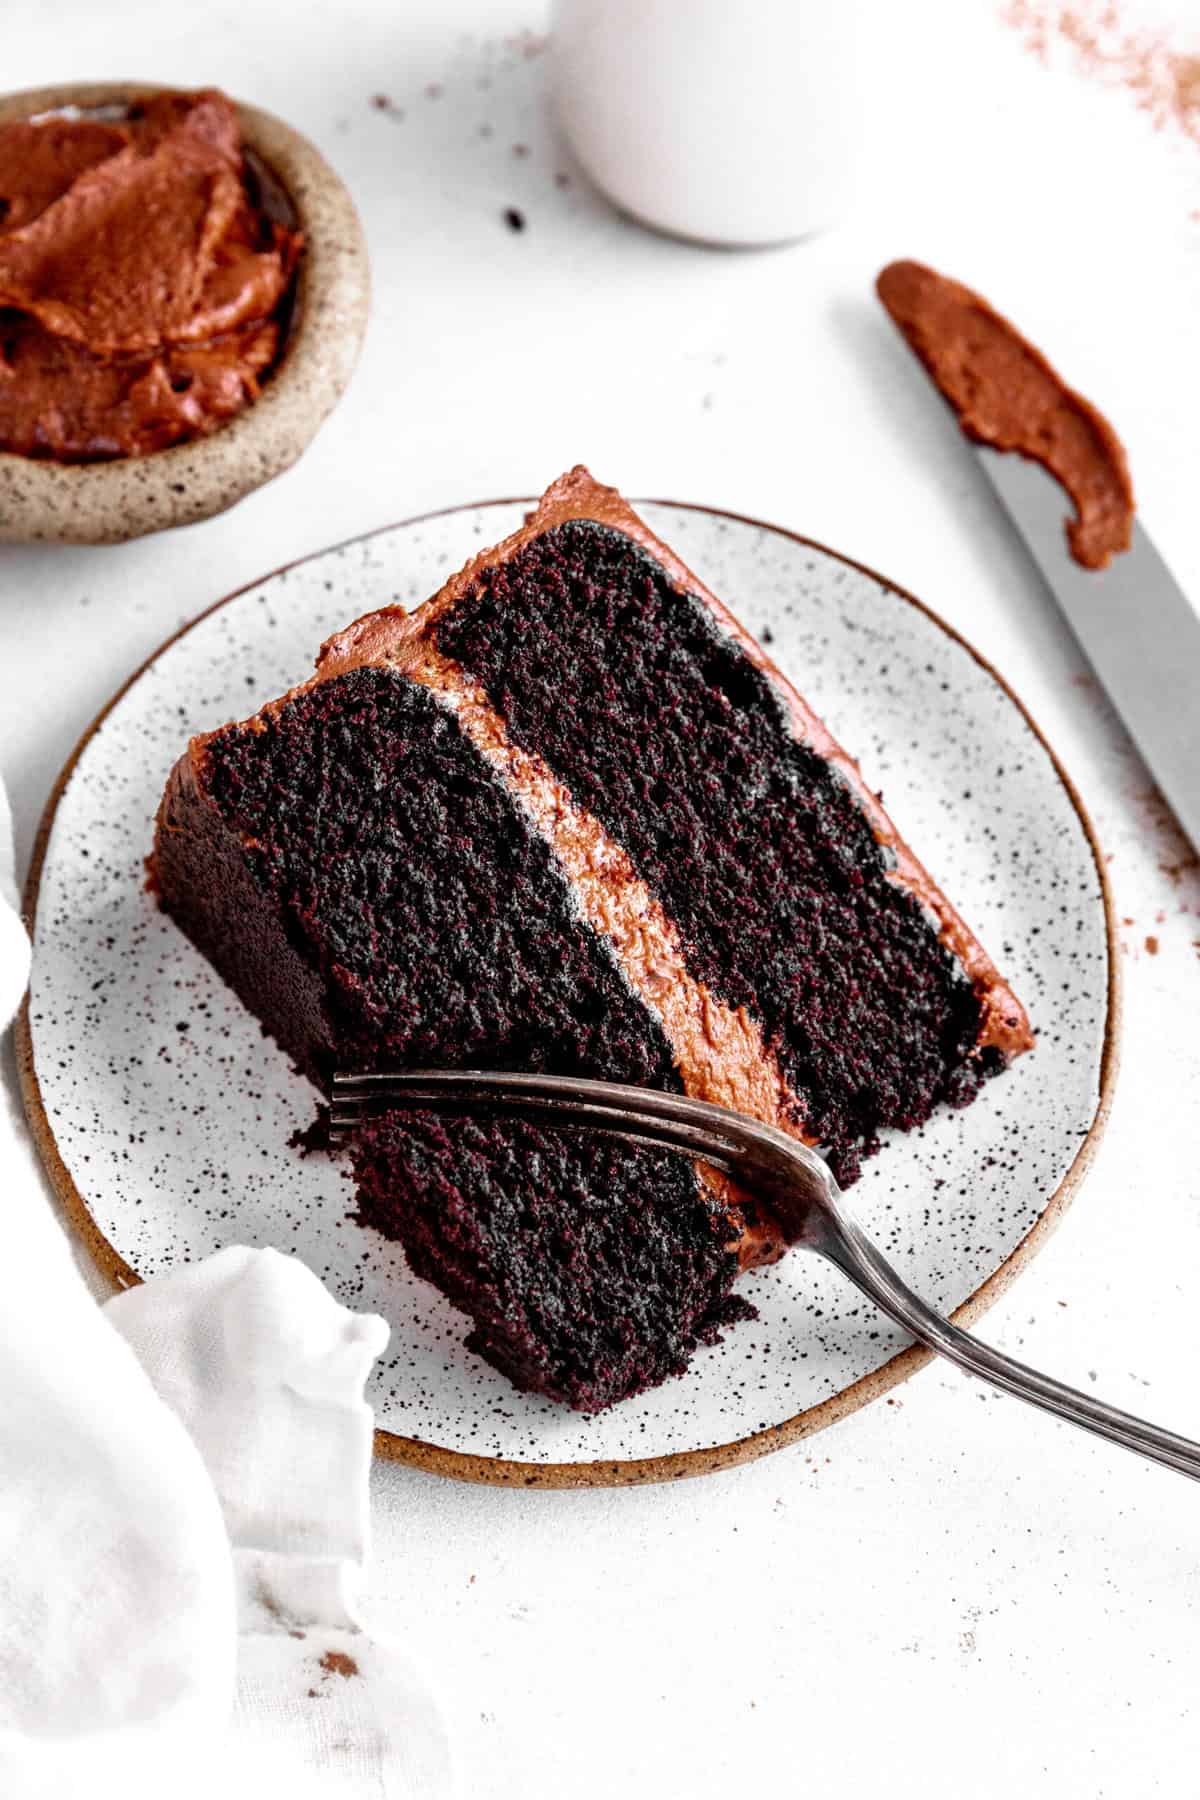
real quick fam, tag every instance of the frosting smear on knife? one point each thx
(1007, 395)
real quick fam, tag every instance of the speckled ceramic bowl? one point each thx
(110, 502)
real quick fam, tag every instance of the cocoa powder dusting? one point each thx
(1163, 80)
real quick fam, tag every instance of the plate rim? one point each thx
(679, 1464)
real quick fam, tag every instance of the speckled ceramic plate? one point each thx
(164, 1114)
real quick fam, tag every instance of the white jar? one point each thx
(729, 121)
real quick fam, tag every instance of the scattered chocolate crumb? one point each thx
(336, 1662)
(561, 178)
(520, 149)
(385, 104)
(310, 1139)
(434, 90)
(514, 218)
(1152, 945)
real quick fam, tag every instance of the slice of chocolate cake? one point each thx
(567, 816)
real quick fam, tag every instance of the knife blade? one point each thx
(1133, 622)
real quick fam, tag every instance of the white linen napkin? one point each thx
(184, 1519)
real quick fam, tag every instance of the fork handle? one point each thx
(836, 1236)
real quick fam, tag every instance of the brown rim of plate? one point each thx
(635, 1471)
(44, 501)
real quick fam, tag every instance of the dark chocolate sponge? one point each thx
(591, 1270)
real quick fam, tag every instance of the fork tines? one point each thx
(759, 1157)
(641, 1114)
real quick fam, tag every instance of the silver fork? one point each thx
(793, 1182)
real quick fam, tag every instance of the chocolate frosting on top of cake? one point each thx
(1007, 395)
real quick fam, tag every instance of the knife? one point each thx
(1134, 624)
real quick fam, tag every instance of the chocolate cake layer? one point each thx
(590, 1269)
(378, 853)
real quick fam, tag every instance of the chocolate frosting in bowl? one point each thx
(111, 497)
(143, 285)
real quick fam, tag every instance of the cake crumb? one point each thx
(336, 1662)
(1152, 945)
(514, 218)
(312, 1139)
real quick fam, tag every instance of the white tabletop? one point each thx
(946, 1593)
